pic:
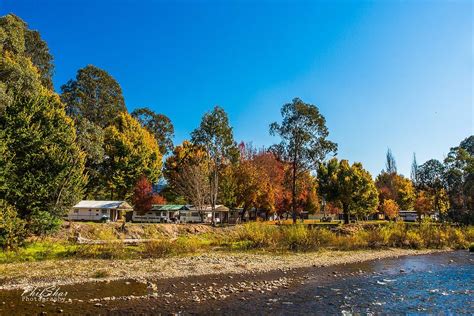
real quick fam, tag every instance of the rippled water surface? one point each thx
(430, 284)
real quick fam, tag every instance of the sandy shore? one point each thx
(62, 272)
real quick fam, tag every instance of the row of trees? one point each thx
(288, 177)
(442, 188)
(56, 149)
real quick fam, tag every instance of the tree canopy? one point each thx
(304, 142)
(350, 186)
(46, 172)
(392, 186)
(131, 151)
(22, 74)
(95, 95)
(215, 135)
(187, 173)
(159, 125)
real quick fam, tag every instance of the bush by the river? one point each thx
(12, 228)
(256, 237)
(304, 238)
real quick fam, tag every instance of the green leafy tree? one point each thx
(215, 135)
(159, 125)
(38, 51)
(12, 228)
(414, 171)
(19, 74)
(17, 38)
(130, 151)
(5, 160)
(228, 186)
(390, 164)
(350, 186)
(431, 178)
(45, 177)
(303, 143)
(90, 138)
(459, 178)
(95, 95)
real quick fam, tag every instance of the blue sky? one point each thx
(395, 74)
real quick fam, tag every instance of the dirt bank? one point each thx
(109, 231)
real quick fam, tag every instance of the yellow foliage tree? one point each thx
(131, 152)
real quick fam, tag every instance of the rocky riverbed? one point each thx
(70, 271)
(207, 283)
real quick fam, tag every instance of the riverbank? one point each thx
(71, 271)
(408, 282)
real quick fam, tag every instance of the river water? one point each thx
(440, 283)
(430, 284)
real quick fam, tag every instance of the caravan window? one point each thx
(195, 214)
(104, 211)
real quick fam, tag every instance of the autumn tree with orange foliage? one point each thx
(143, 197)
(393, 186)
(262, 181)
(423, 204)
(390, 208)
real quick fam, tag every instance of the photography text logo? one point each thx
(43, 294)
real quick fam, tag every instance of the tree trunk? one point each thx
(293, 191)
(345, 208)
(242, 214)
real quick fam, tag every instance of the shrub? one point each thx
(12, 228)
(413, 240)
(157, 248)
(376, 238)
(434, 236)
(295, 237)
(111, 250)
(43, 223)
(396, 234)
(456, 238)
(100, 274)
(322, 237)
(260, 235)
(358, 240)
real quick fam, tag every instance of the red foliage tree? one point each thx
(143, 197)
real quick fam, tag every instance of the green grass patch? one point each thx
(36, 251)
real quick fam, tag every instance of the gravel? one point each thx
(70, 271)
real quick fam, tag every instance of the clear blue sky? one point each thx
(395, 74)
